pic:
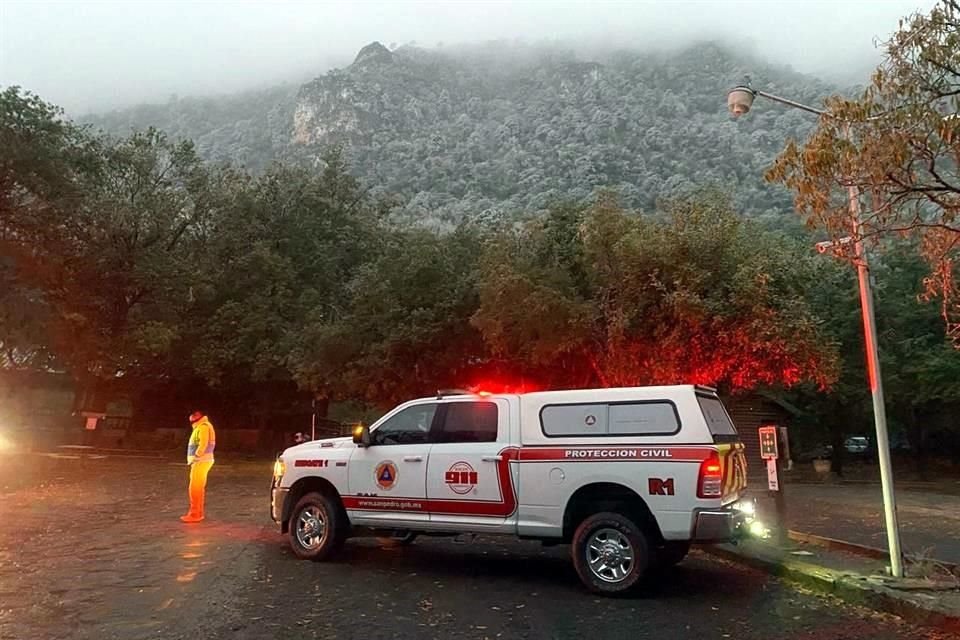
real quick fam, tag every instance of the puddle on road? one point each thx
(197, 543)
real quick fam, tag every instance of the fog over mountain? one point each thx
(94, 56)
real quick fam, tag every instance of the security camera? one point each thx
(823, 247)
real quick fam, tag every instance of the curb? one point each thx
(838, 545)
(860, 549)
(916, 608)
(906, 485)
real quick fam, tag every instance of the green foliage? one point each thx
(98, 238)
(250, 129)
(403, 328)
(284, 248)
(919, 367)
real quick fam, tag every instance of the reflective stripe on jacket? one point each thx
(203, 440)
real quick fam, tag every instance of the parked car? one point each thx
(821, 452)
(856, 444)
(899, 442)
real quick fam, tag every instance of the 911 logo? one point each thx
(461, 478)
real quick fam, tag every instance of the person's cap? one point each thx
(196, 415)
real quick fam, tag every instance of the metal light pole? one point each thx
(739, 101)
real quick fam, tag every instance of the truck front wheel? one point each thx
(316, 527)
(610, 553)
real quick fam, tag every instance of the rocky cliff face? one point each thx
(386, 92)
(344, 103)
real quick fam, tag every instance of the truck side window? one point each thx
(410, 426)
(470, 422)
(718, 420)
(640, 418)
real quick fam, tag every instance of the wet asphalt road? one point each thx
(93, 549)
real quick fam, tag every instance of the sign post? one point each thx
(770, 451)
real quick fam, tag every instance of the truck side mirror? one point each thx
(361, 435)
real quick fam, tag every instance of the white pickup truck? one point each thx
(629, 477)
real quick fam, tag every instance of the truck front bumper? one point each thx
(718, 525)
(278, 497)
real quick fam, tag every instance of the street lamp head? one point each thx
(740, 99)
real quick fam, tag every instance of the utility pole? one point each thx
(876, 387)
(739, 101)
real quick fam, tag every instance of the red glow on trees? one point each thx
(601, 298)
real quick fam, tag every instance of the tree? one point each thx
(22, 320)
(402, 329)
(101, 238)
(41, 156)
(279, 258)
(920, 369)
(899, 144)
(599, 296)
(285, 248)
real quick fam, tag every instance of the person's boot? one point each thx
(195, 514)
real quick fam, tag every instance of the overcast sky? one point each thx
(88, 55)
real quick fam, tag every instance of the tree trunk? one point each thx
(89, 395)
(839, 451)
(915, 436)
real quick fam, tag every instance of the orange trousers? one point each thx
(198, 486)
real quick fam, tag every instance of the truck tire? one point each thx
(610, 553)
(317, 527)
(670, 553)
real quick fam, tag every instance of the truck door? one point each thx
(469, 480)
(388, 480)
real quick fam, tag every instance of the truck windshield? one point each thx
(718, 420)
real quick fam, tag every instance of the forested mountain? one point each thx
(251, 128)
(456, 132)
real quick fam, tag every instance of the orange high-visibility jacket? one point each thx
(203, 440)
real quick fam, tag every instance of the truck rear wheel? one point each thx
(610, 553)
(316, 527)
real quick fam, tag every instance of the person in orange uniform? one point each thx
(203, 440)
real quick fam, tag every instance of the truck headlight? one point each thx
(758, 530)
(746, 507)
(279, 468)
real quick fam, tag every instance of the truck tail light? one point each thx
(710, 484)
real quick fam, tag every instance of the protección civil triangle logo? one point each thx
(385, 474)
